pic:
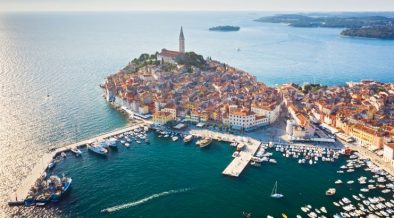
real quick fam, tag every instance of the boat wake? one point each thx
(144, 200)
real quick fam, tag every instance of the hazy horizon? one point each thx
(201, 5)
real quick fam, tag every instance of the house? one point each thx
(162, 117)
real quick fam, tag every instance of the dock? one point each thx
(42, 164)
(240, 162)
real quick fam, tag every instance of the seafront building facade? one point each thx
(363, 111)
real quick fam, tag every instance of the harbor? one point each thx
(249, 149)
(42, 165)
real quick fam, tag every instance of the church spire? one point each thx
(181, 41)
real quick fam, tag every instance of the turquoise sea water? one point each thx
(66, 55)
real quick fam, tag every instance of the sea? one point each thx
(51, 65)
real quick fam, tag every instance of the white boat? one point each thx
(338, 182)
(364, 190)
(166, 136)
(63, 155)
(138, 141)
(274, 193)
(235, 154)
(336, 204)
(112, 142)
(254, 163)
(350, 182)
(97, 149)
(126, 145)
(187, 138)
(76, 151)
(174, 138)
(204, 142)
(331, 191)
(272, 161)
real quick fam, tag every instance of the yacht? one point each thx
(204, 142)
(187, 138)
(112, 142)
(97, 149)
(331, 191)
(76, 151)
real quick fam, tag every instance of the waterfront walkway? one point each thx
(42, 164)
(377, 160)
(239, 163)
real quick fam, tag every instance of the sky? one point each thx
(197, 5)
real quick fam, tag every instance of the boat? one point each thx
(138, 141)
(51, 165)
(254, 163)
(364, 190)
(62, 189)
(338, 182)
(97, 149)
(331, 191)
(274, 193)
(284, 215)
(204, 142)
(272, 161)
(336, 204)
(76, 151)
(187, 138)
(63, 155)
(127, 144)
(350, 182)
(323, 209)
(247, 214)
(174, 138)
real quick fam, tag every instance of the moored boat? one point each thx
(204, 142)
(187, 138)
(97, 149)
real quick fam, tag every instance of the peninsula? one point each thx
(225, 28)
(362, 26)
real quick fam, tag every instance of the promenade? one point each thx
(240, 162)
(42, 164)
(379, 161)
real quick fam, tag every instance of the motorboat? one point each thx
(188, 138)
(97, 149)
(338, 182)
(204, 142)
(51, 165)
(174, 138)
(331, 191)
(76, 151)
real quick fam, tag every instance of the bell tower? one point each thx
(181, 41)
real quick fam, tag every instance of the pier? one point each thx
(239, 163)
(42, 164)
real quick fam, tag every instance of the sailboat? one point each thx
(274, 193)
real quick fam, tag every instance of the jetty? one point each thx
(24, 188)
(240, 162)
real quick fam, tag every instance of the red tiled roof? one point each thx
(168, 53)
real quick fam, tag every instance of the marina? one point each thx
(46, 162)
(244, 156)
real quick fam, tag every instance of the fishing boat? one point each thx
(62, 189)
(204, 142)
(331, 191)
(274, 193)
(97, 149)
(187, 138)
(76, 151)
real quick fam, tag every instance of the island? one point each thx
(360, 26)
(225, 28)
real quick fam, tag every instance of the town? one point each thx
(178, 86)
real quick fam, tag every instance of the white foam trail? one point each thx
(135, 203)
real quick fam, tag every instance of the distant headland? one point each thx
(379, 27)
(225, 28)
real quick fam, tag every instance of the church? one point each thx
(168, 56)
